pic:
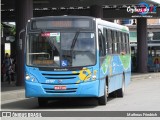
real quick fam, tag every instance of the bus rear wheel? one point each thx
(42, 102)
(103, 100)
(120, 92)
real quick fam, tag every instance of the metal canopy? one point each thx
(10, 4)
(74, 7)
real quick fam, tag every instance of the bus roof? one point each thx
(112, 25)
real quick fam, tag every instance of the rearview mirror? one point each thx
(20, 40)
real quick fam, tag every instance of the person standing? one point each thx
(12, 70)
(156, 62)
(7, 63)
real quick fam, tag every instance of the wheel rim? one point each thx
(123, 86)
(107, 91)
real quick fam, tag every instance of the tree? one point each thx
(13, 30)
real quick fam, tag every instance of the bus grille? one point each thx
(60, 76)
(68, 90)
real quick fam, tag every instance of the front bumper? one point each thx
(86, 89)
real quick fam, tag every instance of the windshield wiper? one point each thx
(74, 40)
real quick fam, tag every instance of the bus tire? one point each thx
(103, 100)
(42, 102)
(120, 92)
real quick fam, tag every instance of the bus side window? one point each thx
(102, 43)
(109, 33)
(122, 43)
(106, 39)
(114, 42)
(129, 47)
(127, 43)
(118, 42)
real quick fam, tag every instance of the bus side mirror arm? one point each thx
(20, 40)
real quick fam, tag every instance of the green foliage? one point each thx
(1, 26)
(13, 30)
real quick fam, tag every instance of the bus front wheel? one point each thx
(103, 100)
(42, 102)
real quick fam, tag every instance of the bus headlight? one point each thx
(30, 78)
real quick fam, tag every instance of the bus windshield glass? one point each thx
(61, 49)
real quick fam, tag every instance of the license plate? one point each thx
(60, 87)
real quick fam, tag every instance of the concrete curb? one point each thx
(145, 75)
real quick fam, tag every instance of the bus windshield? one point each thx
(61, 49)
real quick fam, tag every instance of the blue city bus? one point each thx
(76, 56)
(153, 55)
(153, 44)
